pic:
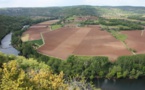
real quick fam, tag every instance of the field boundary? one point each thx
(50, 56)
(128, 48)
(142, 32)
(41, 34)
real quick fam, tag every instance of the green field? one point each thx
(56, 26)
(118, 35)
(71, 18)
(37, 42)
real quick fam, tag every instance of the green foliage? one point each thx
(51, 11)
(89, 67)
(71, 18)
(118, 35)
(89, 22)
(56, 12)
(10, 24)
(56, 26)
(37, 42)
(35, 76)
(137, 17)
(122, 24)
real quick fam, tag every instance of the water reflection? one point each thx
(6, 46)
(121, 84)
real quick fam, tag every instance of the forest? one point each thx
(10, 24)
(15, 24)
(75, 10)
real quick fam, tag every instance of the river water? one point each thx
(6, 46)
(120, 84)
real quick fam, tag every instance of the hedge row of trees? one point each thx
(89, 22)
(115, 22)
(137, 17)
(131, 67)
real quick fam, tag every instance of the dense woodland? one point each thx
(14, 24)
(50, 12)
(75, 10)
(10, 24)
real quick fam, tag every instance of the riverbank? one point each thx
(120, 84)
(6, 46)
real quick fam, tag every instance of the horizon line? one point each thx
(78, 5)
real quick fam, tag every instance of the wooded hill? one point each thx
(73, 10)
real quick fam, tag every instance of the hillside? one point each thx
(50, 11)
(75, 10)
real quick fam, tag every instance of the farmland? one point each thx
(84, 41)
(136, 40)
(34, 32)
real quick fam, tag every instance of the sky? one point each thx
(50, 3)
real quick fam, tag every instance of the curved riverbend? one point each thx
(6, 46)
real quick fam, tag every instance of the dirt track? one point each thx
(82, 41)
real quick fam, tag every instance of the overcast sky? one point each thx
(49, 3)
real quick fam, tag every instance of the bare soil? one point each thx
(136, 40)
(86, 41)
(34, 32)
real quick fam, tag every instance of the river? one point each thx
(6, 46)
(120, 84)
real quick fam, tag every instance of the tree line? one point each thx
(125, 24)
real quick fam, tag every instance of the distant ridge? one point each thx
(64, 11)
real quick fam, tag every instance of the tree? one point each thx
(36, 76)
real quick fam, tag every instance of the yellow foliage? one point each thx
(12, 77)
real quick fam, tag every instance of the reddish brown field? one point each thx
(136, 40)
(34, 33)
(101, 43)
(87, 41)
(35, 30)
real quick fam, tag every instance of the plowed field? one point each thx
(136, 40)
(86, 41)
(33, 33)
